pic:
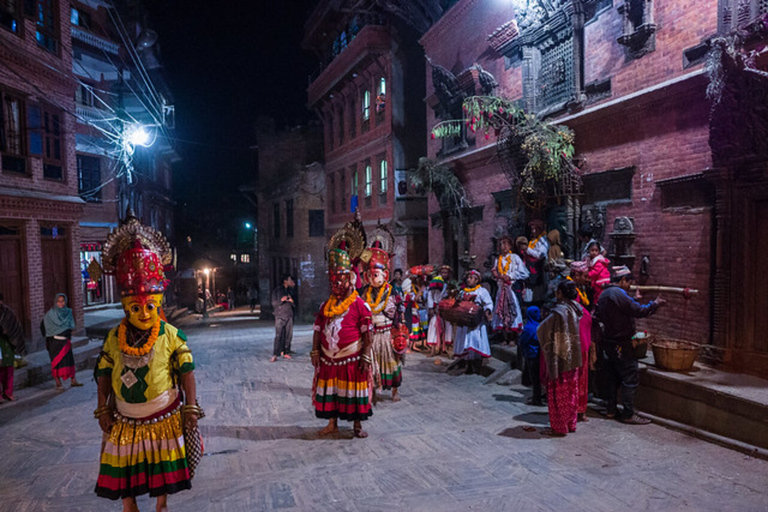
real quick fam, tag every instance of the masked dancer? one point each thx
(147, 404)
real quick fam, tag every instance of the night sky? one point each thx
(226, 67)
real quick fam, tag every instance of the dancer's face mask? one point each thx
(377, 277)
(340, 284)
(142, 310)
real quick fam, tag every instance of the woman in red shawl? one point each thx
(560, 342)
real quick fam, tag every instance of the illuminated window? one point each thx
(245, 258)
(383, 86)
(233, 257)
(366, 105)
(10, 15)
(368, 180)
(383, 177)
(46, 26)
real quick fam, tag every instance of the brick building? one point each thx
(292, 207)
(59, 175)
(112, 81)
(39, 205)
(368, 95)
(629, 79)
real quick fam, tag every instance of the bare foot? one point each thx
(287, 356)
(328, 430)
(10, 397)
(273, 359)
(360, 433)
(582, 417)
(395, 397)
(75, 383)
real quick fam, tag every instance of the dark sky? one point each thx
(228, 63)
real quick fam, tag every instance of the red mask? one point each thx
(340, 285)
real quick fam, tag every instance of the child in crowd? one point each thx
(529, 345)
(599, 273)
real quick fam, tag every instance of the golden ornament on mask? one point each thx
(378, 305)
(136, 351)
(334, 308)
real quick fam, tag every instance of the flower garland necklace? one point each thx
(582, 295)
(507, 262)
(379, 305)
(143, 350)
(334, 308)
(533, 243)
(471, 290)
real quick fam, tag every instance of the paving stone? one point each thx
(451, 444)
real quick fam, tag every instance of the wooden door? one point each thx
(11, 274)
(55, 270)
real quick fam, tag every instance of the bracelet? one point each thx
(190, 408)
(314, 353)
(101, 411)
(366, 358)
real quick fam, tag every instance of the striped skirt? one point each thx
(386, 368)
(340, 390)
(141, 457)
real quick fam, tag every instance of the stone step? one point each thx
(729, 405)
(38, 369)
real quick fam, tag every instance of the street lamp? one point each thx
(248, 225)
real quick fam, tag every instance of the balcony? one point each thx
(98, 42)
(92, 115)
(371, 40)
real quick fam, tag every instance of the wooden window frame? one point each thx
(23, 156)
(53, 133)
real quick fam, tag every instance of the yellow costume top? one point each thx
(153, 372)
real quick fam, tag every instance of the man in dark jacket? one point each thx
(617, 311)
(282, 306)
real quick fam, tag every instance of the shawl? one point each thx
(10, 327)
(57, 320)
(560, 340)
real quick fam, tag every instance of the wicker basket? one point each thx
(675, 355)
(640, 343)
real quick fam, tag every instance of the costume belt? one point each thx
(350, 350)
(382, 328)
(149, 409)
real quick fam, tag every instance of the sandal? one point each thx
(551, 433)
(636, 420)
(287, 356)
(76, 384)
(360, 433)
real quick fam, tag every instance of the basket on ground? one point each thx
(675, 355)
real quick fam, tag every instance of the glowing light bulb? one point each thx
(138, 136)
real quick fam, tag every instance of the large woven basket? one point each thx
(675, 355)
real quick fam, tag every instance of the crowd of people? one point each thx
(573, 323)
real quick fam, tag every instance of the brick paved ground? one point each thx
(451, 444)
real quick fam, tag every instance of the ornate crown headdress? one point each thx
(137, 255)
(345, 246)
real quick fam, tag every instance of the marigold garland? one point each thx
(136, 351)
(471, 290)
(504, 269)
(378, 305)
(533, 243)
(334, 308)
(582, 295)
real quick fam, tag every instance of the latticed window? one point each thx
(366, 105)
(740, 13)
(289, 218)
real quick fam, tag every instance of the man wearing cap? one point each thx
(617, 312)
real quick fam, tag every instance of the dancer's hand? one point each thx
(190, 420)
(315, 356)
(106, 421)
(364, 366)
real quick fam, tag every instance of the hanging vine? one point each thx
(540, 154)
(439, 179)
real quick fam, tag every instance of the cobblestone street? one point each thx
(453, 443)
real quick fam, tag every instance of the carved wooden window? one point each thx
(10, 15)
(12, 129)
(735, 14)
(639, 30)
(53, 154)
(47, 25)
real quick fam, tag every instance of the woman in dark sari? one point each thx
(57, 329)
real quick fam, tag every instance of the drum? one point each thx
(464, 313)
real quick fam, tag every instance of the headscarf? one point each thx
(58, 320)
(10, 327)
(560, 340)
(555, 252)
